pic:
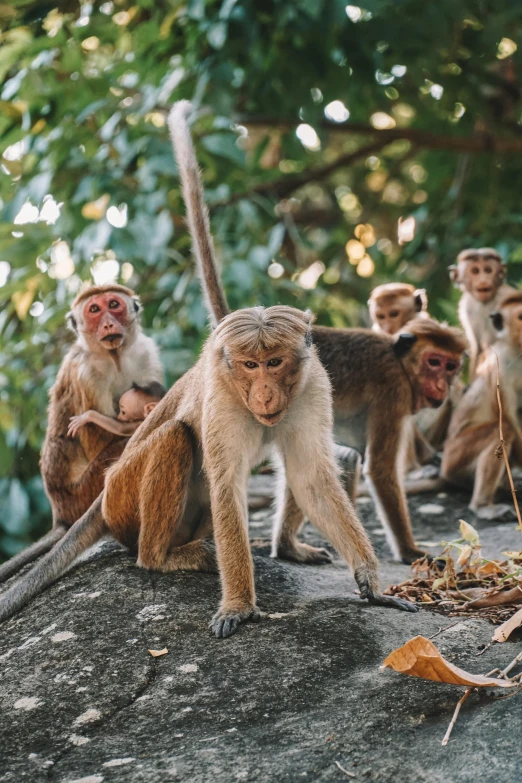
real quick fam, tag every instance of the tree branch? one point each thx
(285, 185)
(480, 142)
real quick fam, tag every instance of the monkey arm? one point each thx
(122, 428)
(228, 483)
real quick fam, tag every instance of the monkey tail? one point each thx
(197, 212)
(32, 552)
(83, 534)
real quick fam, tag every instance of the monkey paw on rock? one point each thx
(226, 622)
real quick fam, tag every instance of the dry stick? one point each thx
(469, 691)
(350, 774)
(503, 448)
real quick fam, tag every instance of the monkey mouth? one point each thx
(434, 403)
(112, 338)
(269, 418)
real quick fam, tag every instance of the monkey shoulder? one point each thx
(355, 356)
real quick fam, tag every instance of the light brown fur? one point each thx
(480, 275)
(469, 455)
(91, 376)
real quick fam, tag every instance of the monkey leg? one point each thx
(489, 473)
(386, 441)
(163, 495)
(285, 544)
(350, 461)
(71, 499)
(32, 552)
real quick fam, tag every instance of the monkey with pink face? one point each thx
(109, 355)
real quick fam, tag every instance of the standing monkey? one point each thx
(257, 386)
(378, 383)
(109, 354)
(480, 276)
(469, 457)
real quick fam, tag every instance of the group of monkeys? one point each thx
(267, 384)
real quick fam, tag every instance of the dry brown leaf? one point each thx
(497, 598)
(420, 658)
(157, 653)
(505, 630)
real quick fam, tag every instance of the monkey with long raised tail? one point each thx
(109, 354)
(258, 386)
(378, 383)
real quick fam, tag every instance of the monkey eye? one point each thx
(519, 316)
(475, 270)
(394, 314)
(113, 304)
(251, 365)
(488, 270)
(274, 362)
(94, 308)
(434, 362)
(451, 366)
(381, 316)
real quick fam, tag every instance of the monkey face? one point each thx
(481, 274)
(107, 318)
(514, 317)
(391, 315)
(437, 370)
(267, 383)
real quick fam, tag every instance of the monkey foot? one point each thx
(224, 623)
(415, 554)
(495, 511)
(298, 552)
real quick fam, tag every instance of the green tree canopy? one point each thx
(320, 127)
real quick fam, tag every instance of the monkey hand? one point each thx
(226, 621)
(76, 422)
(412, 555)
(368, 591)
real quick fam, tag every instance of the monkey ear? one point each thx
(137, 304)
(498, 321)
(421, 299)
(454, 274)
(309, 318)
(71, 322)
(403, 344)
(501, 271)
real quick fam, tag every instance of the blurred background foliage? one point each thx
(342, 147)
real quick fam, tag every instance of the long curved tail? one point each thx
(31, 553)
(197, 212)
(83, 534)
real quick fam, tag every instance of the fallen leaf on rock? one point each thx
(420, 658)
(505, 630)
(157, 653)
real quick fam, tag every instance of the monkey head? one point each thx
(508, 320)
(104, 317)
(263, 353)
(479, 272)
(431, 354)
(394, 304)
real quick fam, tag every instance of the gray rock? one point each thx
(82, 699)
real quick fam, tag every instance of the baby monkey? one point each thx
(135, 405)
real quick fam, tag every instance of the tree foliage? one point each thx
(89, 185)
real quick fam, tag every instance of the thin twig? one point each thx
(350, 774)
(512, 665)
(443, 630)
(460, 702)
(503, 447)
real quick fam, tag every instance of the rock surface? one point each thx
(83, 700)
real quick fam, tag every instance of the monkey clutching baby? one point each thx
(480, 275)
(109, 354)
(257, 386)
(469, 457)
(134, 407)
